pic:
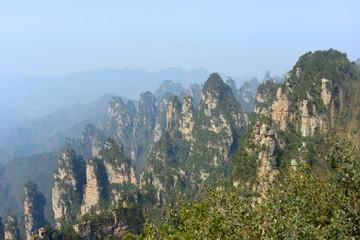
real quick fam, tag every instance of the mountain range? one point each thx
(162, 150)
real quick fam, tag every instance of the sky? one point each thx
(239, 38)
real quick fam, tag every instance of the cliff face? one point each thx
(92, 188)
(112, 224)
(294, 115)
(69, 180)
(11, 230)
(34, 203)
(29, 218)
(134, 127)
(196, 145)
(93, 185)
(139, 128)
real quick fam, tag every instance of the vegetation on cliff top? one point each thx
(300, 205)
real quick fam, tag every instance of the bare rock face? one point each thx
(173, 114)
(34, 209)
(326, 94)
(92, 192)
(118, 169)
(68, 188)
(196, 146)
(82, 187)
(308, 104)
(11, 230)
(135, 128)
(187, 120)
(160, 122)
(265, 135)
(120, 119)
(280, 108)
(113, 224)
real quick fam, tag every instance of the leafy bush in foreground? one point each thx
(300, 205)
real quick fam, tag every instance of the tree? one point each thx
(300, 205)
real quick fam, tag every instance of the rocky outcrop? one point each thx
(266, 94)
(92, 188)
(118, 169)
(67, 192)
(311, 122)
(280, 108)
(139, 128)
(113, 224)
(120, 120)
(291, 114)
(11, 230)
(173, 114)
(187, 121)
(34, 203)
(256, 162)
(88, 187)
(134, 127)
(196, 145)
(326, 94)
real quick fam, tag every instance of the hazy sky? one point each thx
(239, 38)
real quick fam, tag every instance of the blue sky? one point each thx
(239, 38)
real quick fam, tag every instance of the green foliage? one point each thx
(300, 205)
(267, 91)
(67, 233)
(307, 74)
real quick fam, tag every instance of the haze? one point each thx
(239, 38)
(56, 53)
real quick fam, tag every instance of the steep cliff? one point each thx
(34, 203)
(139, 128)
(67, 193)
(133, 127)
(197, 144)
(93, 185)
(115, 223)
(110, 178)
(92, 193)
(11, 230)
(294, 118)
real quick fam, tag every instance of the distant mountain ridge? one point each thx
(48, 133)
